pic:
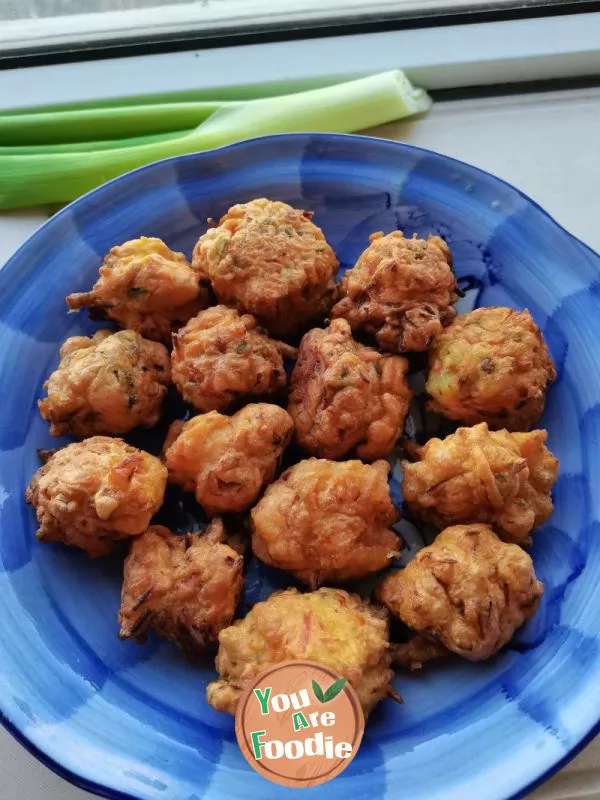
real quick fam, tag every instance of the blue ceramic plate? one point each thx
(131, 721)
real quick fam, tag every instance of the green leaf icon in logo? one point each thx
(318, 692)
(334, 689)
(332, 692)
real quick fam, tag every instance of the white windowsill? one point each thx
(435, 58)
(215, 16)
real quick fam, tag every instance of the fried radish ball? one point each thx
(478, 475)
(330, 626)
(226, 461)
(186, 588)
(109, 383)
(221, 356)
(400, 291)
(346, 396)
(468, 591)
(493, 366)
(327, 521)
(269, 259)
(94, 493)
(146, 287)
(417, 651)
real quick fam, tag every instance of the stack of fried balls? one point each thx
(275, 359)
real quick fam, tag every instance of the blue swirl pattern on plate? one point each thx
(130, 721)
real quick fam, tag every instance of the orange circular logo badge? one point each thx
(299, 723)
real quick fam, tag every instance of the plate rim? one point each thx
(372, 140)
(75, 778)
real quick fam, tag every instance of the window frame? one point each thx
(436, 58)
(248, 21)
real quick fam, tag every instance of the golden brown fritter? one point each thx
(345, 395)
(93, 493)
(493, 366)
(417, 651)
(220, 357)
(478, 475)
(186, 588)
(468, 590)
(268, 259)
(146, 287)
(401, 291)
(226, 461)
(329, 626)
(109, 383)
(173, 432)
(327, 521)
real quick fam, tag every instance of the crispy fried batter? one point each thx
(327, 521)
(109, 383)
(417, 651)
(226, 461)
(173, 432)
(186, 588)
(144, 286)
(469, 590)
(330, 626)
(493, 366)
(220, 357)
(345, 395)
(401, 291)
(270, 260)
(478, 475)
(93, 493)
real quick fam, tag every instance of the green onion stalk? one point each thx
(53, 157)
